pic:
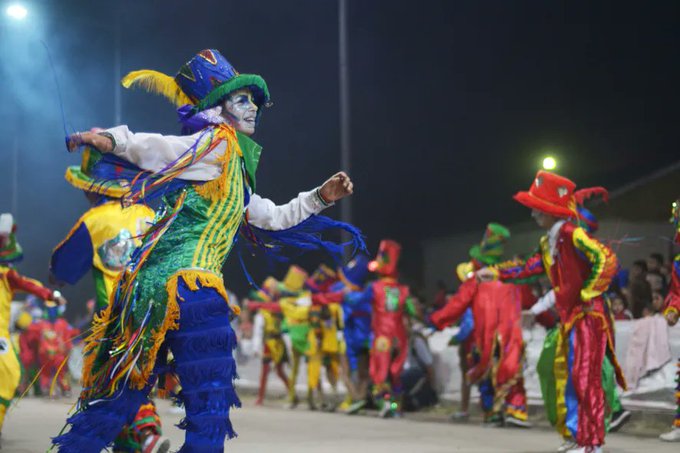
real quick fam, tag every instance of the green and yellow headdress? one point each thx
(81, 178)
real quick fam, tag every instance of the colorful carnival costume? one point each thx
(496, 357)
(543, 311)
(296, 309)
(671, 313)
(274, 350)
(580, 269)
(327, 322)
(172, 293)
(10, 282)
(102, 242)
(356, 327)
(390, 303)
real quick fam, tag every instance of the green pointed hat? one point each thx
(80, 177)
(490, 250)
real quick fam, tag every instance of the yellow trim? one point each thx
(192, 278)
(561, 372)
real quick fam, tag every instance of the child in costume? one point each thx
(671, 313)
(50, 338)
(354, 335)
(304, 329)
(496, 357)
(171, 294)
(390, 303)
(10, 282)
(580, 269)
(102, 242)
(542, 310)
(357, 331)
(328, 323)
(274, 349)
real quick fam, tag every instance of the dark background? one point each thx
(453, 103)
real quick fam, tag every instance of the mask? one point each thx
(240, 111)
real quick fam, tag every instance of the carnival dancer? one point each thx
(172, 293)
(496, 357)
(543, 312)
(355, 335)
(274, 349)
(101, 243)
(330, 334)
(302, 323)
(671, 313)
(10, 282)
(51, 339)
(390, 303)
(580, 269)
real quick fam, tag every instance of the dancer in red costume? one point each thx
(51, 339)
(580, 269)
(391, 302)
(497, 347)
(671, 313)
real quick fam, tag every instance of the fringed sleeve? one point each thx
(603, 264)
(521, 271)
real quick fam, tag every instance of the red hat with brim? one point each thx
(551, 194)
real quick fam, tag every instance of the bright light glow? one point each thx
(17, 12)
(549, 163)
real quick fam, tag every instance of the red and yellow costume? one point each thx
(48, 341)
(10, 282)
(580, 269)
(273, 347)
(391, 303)
(497, 347)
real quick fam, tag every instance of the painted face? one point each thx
(240, 111)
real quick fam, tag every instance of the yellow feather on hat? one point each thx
(158, 83)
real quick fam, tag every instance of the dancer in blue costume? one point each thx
(172, 293)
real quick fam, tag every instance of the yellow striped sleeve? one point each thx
(603, 264)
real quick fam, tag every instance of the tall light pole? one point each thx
(117, 97)
(345, 148)
(16, 12)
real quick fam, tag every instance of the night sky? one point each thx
(453, 103)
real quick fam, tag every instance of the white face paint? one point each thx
(240, 111)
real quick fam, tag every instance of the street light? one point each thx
(16, 11)
(549, 163)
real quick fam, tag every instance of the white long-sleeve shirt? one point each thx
(545, 303)
(154, 152)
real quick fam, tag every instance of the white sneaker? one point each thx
(594, 449)
(671, 436)
(567, 444)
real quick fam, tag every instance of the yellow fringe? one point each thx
(157, 83)
(215, 189)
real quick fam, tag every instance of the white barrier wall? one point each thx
(448, 374)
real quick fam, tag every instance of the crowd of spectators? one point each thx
(640, 291)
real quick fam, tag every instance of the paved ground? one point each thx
(273, 429)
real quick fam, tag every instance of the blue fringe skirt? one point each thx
(203, 360)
